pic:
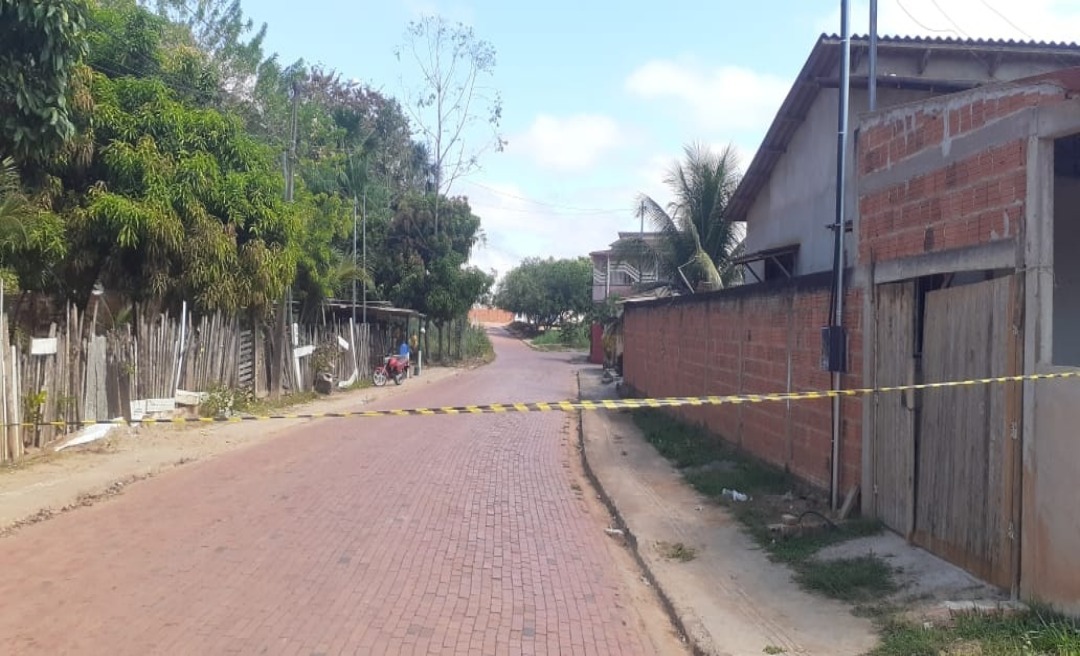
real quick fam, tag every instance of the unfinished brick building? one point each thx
(961, 191)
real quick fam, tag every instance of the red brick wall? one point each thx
(490, 315)
(968, 202)
(739, 342)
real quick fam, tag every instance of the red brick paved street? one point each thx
(360, 536)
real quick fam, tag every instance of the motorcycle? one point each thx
(393, 366)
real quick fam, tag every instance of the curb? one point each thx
(631, 541)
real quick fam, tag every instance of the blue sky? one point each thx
(599, 97)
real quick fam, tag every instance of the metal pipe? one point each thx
(355, 203)
(873, 55)
(364, 219)
(839, 259)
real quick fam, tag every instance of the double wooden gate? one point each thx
(946, 461)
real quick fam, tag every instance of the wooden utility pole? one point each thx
(280, 338)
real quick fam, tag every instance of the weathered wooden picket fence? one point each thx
(72, 375)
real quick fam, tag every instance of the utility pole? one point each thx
(354, 209)
(277, 364)
(641, 238)
(873, 55)
(836, 340)
(289, 183)
(365, 253)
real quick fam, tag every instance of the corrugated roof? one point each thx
(824, 61)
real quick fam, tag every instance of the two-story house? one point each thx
(618, 273)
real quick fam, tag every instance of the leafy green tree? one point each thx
(179, 203)
(31, 239)
(219, 30)
(41, 44)
(549, 292)
(429, 273)
(698, 241)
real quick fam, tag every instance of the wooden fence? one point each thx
(73, 375)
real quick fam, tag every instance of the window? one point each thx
(780, 266)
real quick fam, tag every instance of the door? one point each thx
(894, 417)
(967, 445)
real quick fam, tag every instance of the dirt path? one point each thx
(41, 485)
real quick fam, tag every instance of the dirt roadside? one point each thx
(34, 488)
(729, 598)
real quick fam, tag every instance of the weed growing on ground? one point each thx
(677, 551)
(571, 337)
(712, 467)
(773, 649)
(1039, 631)
(849, 579)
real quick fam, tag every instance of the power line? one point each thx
(555, 206)
(1006, 19)
(904, 9)
(949, 18)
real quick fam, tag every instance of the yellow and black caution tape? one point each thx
(569, 406)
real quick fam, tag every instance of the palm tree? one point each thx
(697, 241)
(31, 239)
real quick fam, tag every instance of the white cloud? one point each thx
(572, 143)
(722, 99)
(1041, 20)
(517, 227)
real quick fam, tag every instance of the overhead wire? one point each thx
(949, 19)
(924, 26)
(1006, 19)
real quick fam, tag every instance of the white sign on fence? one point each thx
(143, 407)
(302, 351)
(43, 346)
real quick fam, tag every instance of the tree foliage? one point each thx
(41, 44)
(31, 238)
(183, 204)
(219, 29)
(148, 139)
(547, 291)
(428, 272)
(698, 241)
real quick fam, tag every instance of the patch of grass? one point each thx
(682, 444)
(269, 405)
(711, 467)
(476, 345)
(677, 551)
(860, 579)
(1039, 631)
(572, 337)
(773, 649)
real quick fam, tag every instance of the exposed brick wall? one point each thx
(973, 201)
(741, 342)
(894, 135)
(969, 202)
(490, 315)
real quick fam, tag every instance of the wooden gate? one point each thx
(967, 440)
(894, 418)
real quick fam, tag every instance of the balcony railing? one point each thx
(624, 274)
